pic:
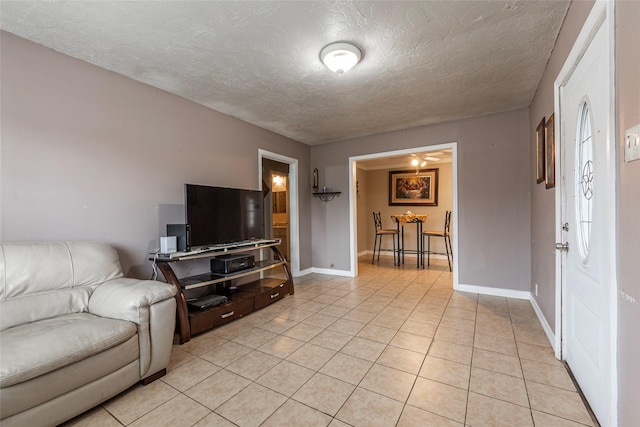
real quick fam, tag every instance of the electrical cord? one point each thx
(154, 267)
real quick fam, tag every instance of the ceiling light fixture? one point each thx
(340, 57)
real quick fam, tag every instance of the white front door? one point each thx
(587, 191)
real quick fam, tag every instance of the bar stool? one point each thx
(380, 232)
(444, 234)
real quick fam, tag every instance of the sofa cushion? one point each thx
(93, 263)
(31, 268)
(39, 390)
(45, 305)
(36, 348)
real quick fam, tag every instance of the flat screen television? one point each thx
(219, 215)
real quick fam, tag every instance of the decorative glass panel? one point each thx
(585, 176)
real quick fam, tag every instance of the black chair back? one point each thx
(447, 223)
(377, 221)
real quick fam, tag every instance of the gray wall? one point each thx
(493, 192)
(90, 155)
(628, 112)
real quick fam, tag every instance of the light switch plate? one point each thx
(632, 144)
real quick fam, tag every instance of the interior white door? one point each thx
(588, 200)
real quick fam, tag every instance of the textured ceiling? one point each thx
(424, 62)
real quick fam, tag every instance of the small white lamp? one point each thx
(340, 57)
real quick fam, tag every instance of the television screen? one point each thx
(218, 215)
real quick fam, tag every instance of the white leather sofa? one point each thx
(73, 331)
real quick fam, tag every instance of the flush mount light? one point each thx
(340, 57)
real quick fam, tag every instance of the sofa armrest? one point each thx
(151, 306)
(127, 299)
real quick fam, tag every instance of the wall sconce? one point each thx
(315, 180)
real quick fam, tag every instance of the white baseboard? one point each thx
(545, 325)
(496, 292)
(331, 272)
(328, 271)
(303, 272)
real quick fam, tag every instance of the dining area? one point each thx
(412, 209)
(415, 227)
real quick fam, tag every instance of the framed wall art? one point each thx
(540, 166)
(549, 154)
(413, 188)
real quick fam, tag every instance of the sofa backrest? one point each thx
(42, 280)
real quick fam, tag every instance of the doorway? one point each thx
(360, 220)
(279, 181)
(585, 218)
(278, 176)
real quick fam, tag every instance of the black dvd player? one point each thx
(227, 264)
(208, 301)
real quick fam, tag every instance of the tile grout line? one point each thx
(473, 347)
(524, 380)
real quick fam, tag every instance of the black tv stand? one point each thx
(243, 298)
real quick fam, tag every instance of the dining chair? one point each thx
(380, 232)
(445, 234)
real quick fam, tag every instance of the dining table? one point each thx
(410, 218)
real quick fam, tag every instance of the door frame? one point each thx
(601, 16)
(294, 215)
(353, 200)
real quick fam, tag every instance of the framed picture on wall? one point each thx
(550, 154)
(540, 130)
(413, 188)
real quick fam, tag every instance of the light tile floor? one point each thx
(392, 347)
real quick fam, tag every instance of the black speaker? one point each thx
(183, 236)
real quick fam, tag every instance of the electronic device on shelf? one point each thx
(182, 234)
(227, 264)
(208, 301)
